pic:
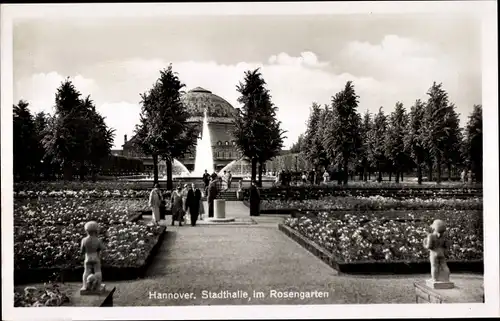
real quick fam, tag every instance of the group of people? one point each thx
(226, 179)
(285, 178)
(184, 200)
(188, 199)
(466, 176)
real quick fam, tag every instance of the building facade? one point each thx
(220, 115)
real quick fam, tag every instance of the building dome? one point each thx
(199, 99)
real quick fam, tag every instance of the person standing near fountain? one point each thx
(229, 179)
(212, 194)
(224, 182)
(254, 200)
(206, 180)
(155, 200)
(193, 203)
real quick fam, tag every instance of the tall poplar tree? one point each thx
(164, 131)
(257, 131)
(395, 148)
(342, 137)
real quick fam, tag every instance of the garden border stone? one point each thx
(374, 267)
(110, 272)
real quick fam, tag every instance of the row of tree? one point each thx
(74, 140)
(165, 133)
(427, 137)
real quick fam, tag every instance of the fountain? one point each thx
(203, 158)
(178, 169)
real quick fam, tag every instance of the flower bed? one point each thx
(375, 203)
(48, 232)
(73, 212)
(144, 194)
(49, 295)
(378, 238)
(319, 192)
(58, 246)
(86, 185)
(83, 193)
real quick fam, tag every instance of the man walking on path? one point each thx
(193, 203)
(212, 194)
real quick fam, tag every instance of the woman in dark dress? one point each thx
(254, 200)
(177, 206)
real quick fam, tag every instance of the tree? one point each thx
(414, 138)
(164, 131)
(100, 138)
(376, 147)
(365, 129)
(324, 121)
(66, 137)
(298, 146)
(257, 131)
(394, 142)
(43, 162)
(271, 135)
(313, 140)
(76, 137)
(454, 137)
(436, 126)
(342, 138)
(474, 142)
(24, 141)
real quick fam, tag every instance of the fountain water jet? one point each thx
(203, 158)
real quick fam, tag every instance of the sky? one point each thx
(303, 59)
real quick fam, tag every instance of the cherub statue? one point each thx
(92, 247)
(438, 245)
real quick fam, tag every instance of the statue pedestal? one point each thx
(219, 213)
(439, 284)
(463, 292)
(93, 299)
(94, 292)
(219, 209)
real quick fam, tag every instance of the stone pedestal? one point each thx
(219, 209)
(86, 299)
(94, 292)
(461, 293)
(439, 285)
(219, 213)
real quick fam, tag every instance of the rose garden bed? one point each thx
(375, 203)
(48, 232)
(383, 243)
(318, 192)
(372, 203)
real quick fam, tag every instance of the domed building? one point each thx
(220, 124)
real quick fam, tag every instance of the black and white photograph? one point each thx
(250, 160)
